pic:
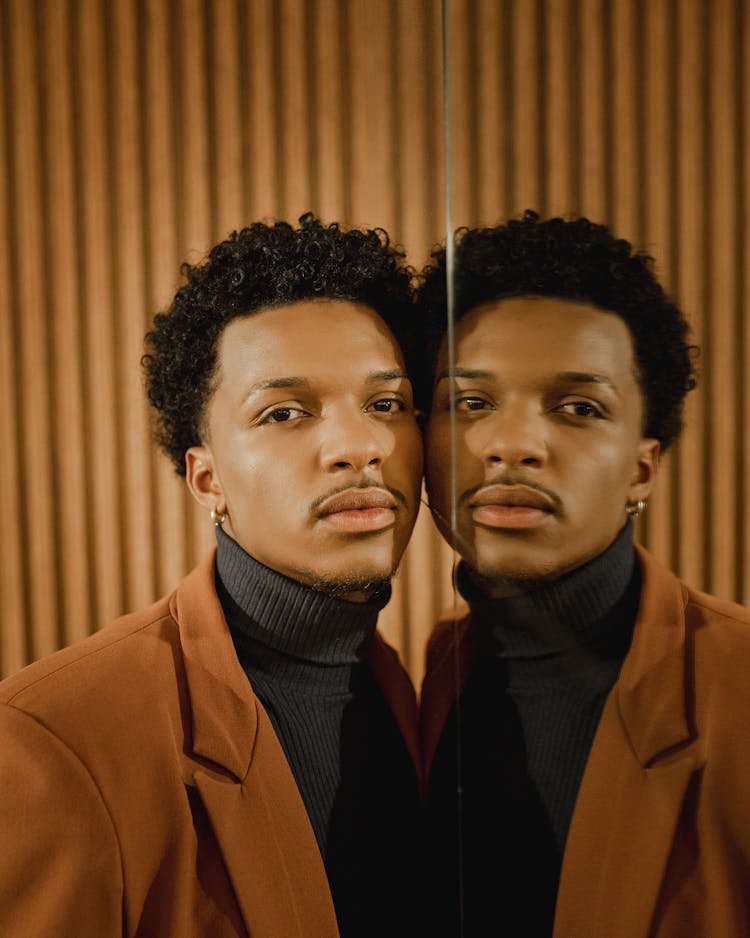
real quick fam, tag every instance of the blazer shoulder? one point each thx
(714, 609)
(126, 644)
(721, 631)
(97, 665)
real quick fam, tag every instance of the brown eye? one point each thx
(387, 405)
(580, 409)
(283, 415)
(471, 403)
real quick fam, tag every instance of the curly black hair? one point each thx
(574, 259)
(261, 266)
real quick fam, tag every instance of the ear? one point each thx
(203, 479)
(646, 467)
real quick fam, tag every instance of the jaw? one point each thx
(355, 563)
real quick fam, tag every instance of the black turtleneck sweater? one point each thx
(305, 654)
(546, 662)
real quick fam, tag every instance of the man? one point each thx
(584, 720)
(241, 758)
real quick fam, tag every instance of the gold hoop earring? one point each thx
(635, 509)
(218, 517)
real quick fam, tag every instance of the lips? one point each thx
(511, 507)
(357, 500)
(515, 496)
(358, 511)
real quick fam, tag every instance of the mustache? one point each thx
(358, 484)
(463, 544)
(510, 479)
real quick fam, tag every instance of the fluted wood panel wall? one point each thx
(136, 133)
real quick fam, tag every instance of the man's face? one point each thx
(549, 447)
(312, 446)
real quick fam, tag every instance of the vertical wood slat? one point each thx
(463, 92)
(489, 80)
(591, 102)
(195, 127)
(129, 307)
(161, 149)
(13, 607)
(101, 370)
(559, 107)
(526, 121)
(294, 130)
(692, 509)
(261, 117)
(625, 125)
(63, 304)
(416, 181)
(656, 199)
(744, 261)
(35, 495)
(723, 231)
(330, 126)
(226, 92)
(371, 202)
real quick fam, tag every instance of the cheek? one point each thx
(469, 443)
(437, 440)
(411, 444)
(438, 481)
(260, 483)
(599, 482)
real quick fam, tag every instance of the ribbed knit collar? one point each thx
(287, 617)
(557, 616)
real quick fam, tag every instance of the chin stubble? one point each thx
(341, 587)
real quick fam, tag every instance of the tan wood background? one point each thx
(136, 133)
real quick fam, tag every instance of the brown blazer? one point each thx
(143, 791)
(659, 843)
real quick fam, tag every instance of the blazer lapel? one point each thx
(642, 760)
(239, 769)
(268, 846)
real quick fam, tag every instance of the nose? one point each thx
(513, 437)
(352, 441)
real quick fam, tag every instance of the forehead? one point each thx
(543, 334)
(309, 338)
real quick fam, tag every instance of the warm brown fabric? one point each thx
(143, 791)
(659, 844)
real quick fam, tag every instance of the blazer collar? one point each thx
(224, 709)
(245, 783)
(651, 689)
(644, 755)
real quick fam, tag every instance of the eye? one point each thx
(580, 409)
(387, 405)
(466, 404)
(283, 415)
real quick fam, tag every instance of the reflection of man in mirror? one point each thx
(598, 726)
(241, 758)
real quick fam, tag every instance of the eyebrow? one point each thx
(586, 377)
(294, 381)
(572, 377)
(394, 374)
(463, 373)
(271, 383)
